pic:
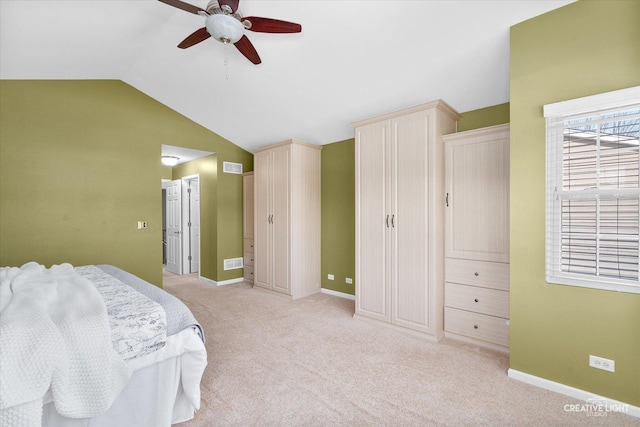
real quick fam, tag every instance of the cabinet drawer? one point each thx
(473, 298)
(248, 258)
(248, 273)
(478, 326)
(493, 275)
(248, 245)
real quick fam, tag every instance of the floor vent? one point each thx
(229, 167)
(232, 263)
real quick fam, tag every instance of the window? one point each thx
(593, 191)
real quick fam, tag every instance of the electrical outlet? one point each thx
(349, 280)
(602, 363)
(330, 276)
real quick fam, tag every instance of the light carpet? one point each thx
(308, 362)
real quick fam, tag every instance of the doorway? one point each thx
(181, 225)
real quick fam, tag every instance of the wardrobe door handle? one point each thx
(387, 221)
(392, 223)
(447, 200)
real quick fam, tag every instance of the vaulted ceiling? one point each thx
(352, 60)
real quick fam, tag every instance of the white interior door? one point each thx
(174, 227)
(194, 221)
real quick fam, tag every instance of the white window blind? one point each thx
(593, 192)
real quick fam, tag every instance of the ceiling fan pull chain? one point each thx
(226, 60)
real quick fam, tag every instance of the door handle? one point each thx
(387, 221)
(392, 222)
(447, 200)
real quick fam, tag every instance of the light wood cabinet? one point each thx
(248, 225)
(477, 236)
(287, 218)
(400, 216)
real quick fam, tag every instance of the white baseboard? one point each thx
(593, 400)
(338, 294)
(222, 283)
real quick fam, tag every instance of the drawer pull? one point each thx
(476, 300)
(475, 326)
(476, 274)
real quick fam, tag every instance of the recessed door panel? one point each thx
(372, 221)
(410, 271)
(262, 220)
(280, 219)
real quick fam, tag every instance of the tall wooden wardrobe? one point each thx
(400, 216)
(287, 218)
(477, 236)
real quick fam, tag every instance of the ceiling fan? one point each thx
(225, 24)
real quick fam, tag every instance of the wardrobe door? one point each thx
(280, 220)
(477, 186)
(262, 229)
(410, 221)
(373, 221)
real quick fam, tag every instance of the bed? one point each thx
(95, 346)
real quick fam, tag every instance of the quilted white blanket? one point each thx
(54, 333)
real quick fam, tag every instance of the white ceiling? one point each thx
(183, 154)
(353, 59)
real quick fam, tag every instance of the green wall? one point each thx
(488, 116)
(79, 166)
(338, 216)
(584, 48)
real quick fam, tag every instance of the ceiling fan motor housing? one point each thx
(224, 28)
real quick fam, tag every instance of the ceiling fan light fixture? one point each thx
(224, 28)
(169, 160)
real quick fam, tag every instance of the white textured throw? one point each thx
(54, 333)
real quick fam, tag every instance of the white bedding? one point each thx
(138, 324)
(54, 334)
(165, 385)
(163, 390)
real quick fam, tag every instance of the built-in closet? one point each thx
(287, 218)
(477, 236)
(400, 216)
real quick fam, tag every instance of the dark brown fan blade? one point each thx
(246, 48)
(233, 4)
(184, 6)
(268, 25)
(195, 38)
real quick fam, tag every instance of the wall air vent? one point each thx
(229, 167)
(233, 263)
